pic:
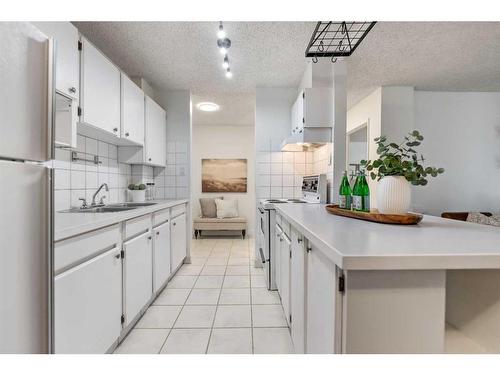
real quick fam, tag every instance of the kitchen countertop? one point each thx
(69, 224)
(435, 243)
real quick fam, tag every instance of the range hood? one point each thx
(309, 138)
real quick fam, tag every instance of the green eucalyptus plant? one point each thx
(400, 160)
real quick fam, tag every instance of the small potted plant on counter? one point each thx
(137, 192)
(397, 166)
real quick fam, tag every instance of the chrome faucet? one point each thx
(101, 203)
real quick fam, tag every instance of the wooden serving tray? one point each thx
(375, 216)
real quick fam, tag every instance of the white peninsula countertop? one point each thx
(435, 243)
(69, 224)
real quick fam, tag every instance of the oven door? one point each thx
(264, 248)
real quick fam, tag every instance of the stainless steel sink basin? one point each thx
(98, 209)
(132, 204)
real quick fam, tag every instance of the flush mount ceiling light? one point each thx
(224, 44)
(207, 107)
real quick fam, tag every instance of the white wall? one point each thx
(224, 141)
(462, 135)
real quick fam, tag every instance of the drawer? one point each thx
(75, 250)
(139, 225)
(161, 217)
(177, 210)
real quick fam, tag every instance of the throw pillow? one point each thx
(226, 208)
(208, 207)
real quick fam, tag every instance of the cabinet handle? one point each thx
(150, 237)
(174, 224)
(299, 240)
(149, 159)
(157, 233)
(309, 249)
(127, 134)
(115, 129)
(72, 90)
(118, 256)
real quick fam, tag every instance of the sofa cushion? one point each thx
(238, 219)
(226, 208)
(208, 207)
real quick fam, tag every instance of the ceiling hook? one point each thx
(321, 46)
(334, 59)
(315, 59)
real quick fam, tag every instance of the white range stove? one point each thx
(313, 192)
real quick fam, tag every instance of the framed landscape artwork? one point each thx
(224, 175)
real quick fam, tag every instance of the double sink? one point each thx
(118, 207)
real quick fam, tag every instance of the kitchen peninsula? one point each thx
(362, 287)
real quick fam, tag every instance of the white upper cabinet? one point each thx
(67, 56)
(313, 108)
(156, 133)
(132, 115)
(100, 94)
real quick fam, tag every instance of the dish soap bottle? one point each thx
(361, 194)
(345, 193)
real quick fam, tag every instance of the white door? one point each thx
(178, 241)
(24, 263)
(277, 253)
(161, 255)
(138, 278)
(100, 91)
(300, 112)
(156, 133)
(67, 56)
(25, 92)
(318, 107)
(297, 292)
(320, 307)
(132, 118)
(285, 275)
(88, 305)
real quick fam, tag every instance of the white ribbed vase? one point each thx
(393, 195)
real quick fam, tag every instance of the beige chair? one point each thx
(208, 223)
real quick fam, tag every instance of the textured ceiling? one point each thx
(447, 56)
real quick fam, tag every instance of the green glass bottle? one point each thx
(361, 194)
(345, 193)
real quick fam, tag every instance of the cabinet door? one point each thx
(285, 275)
(138, 280)
(100, 96)
(132, 107)
(297, 292)
(67, 56)
(161, 255)
(277, 253)
(156, 133)
(294, 117)
(300, 112)
(321, 297)
(318, 107)
(178, 241)
(88, 305)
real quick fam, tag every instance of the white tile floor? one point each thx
(216, 304)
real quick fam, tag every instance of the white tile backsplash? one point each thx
(80, 179)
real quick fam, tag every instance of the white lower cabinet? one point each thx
(178, 240)
(88, 305)
(284, 291)
(138, 274)
(161, 255)
(323, 312)
(298, 292)
(277, 254)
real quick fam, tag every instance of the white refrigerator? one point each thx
(26, 144)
